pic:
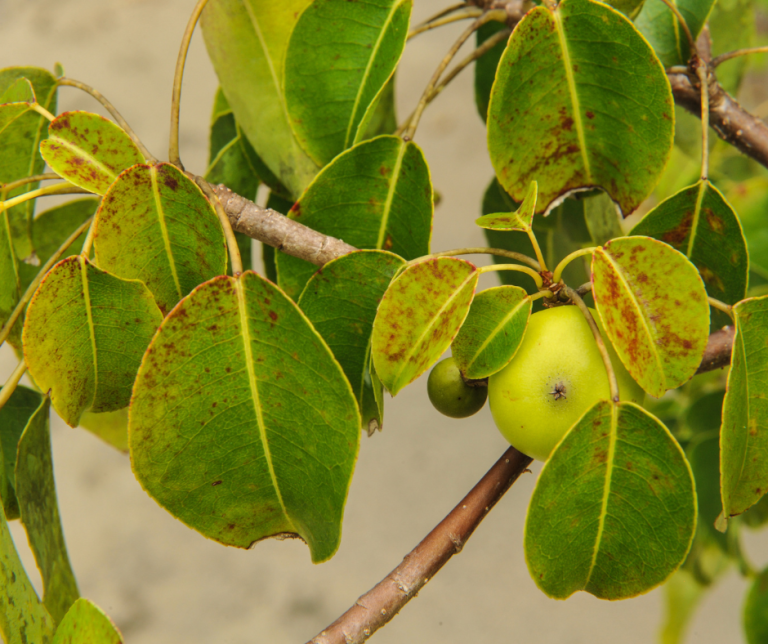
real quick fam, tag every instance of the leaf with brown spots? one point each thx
(744, 434)
(88, 150)
(492, 332)
(86, 623)
(418, 318)
(614, 509)
(156, 225)
(654, 309)
(579, 101)
(84, 336)
(242, 424)
(701, 224)
(521, 219)
(376, 195)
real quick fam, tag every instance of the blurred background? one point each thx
(162, 582)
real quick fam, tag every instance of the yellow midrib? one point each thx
(164, 230)
(87, 299)
(390, 195)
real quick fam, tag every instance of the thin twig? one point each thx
(10, 385)
(469, 12)
(739, 52)
(63, 188)
(379, 605)
(173, 146)
(5, 188)
(70, 82)
(443, 12)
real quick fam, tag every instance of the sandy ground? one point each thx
(162, 582)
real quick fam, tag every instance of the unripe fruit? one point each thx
(556, 375)
(450, 395)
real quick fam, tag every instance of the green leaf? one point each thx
(486, 65)
(23, 618)
(36, 492)
(700, 223)
(580, 101)
(247, 42)
(10, 287)
(88, 150)
(20, 138)
(86, 623)
(377, 195)
(654, 309)
(492, 332)
(341, 301)
(84, 336)
(613, 512)
(629, 8)
(242, 424)
(14, 416)
(156, 225)
(756, 610)
(419, 316)
(521, 219)
(20, 91)
(339, 56)
(602, 218)
(683, 594)
(732, 27)
(704, 457)
(109, 426)
(381, 115)
(660, 27)
(743, 443)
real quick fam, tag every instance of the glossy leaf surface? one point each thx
(84, 336)
(155, 225)
(654, 309)
(419, 317)
(492, 332)
(663, 31)
(20, 137)
(700, 223)
(378, 195)
(613, 512)
(743, 440)
(247, 42)
(14, 416)
(521, 219)
(36, 492)
(242, 423)
(86, 623)
(88, 150)
(579, 100)
(339, 57)
(341, 301)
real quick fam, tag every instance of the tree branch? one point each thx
(380, 604)
(718, 351)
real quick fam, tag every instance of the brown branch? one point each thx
(718, 351)
(379, 605)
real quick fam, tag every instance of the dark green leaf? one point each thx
(88, 150)
(242, 423)
(339, 56)
(701, 224)
(486, 65)
(156, 225)
(419, 316)
(613, 512)
(36, 492)
(704, 457)
(629, 8)
(377, 195)
(579, 101)
(86, 623)
(662, 30)
(381, 116)
(602, 218)
(654, 309)
(84, 337)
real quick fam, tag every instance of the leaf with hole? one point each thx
(492, 332)
(521, 219)
(84, 336)
(419, 317)
(36, 492)
(242, 424)
(614, 511)
(377, 195)
(340, 55)
(156, 225)
(247, 42)
(663, 31)
(743, 440)
(88, 150)
(340, 301)
(654, 309)
(86, 623)
(579, 101)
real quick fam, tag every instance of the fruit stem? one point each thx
(540, 294)
(721, 306)
(513, 267)
(612, 382)
(568, 259)
(499, 252)
(10, 386)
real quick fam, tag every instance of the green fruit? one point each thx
(556, 375)
(450, 395)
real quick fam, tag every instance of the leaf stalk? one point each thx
(558, 273)
(513, 267)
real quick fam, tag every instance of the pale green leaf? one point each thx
(521, 219)
(86, 623)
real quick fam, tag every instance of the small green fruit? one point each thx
(450, 395)
(556, 375)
